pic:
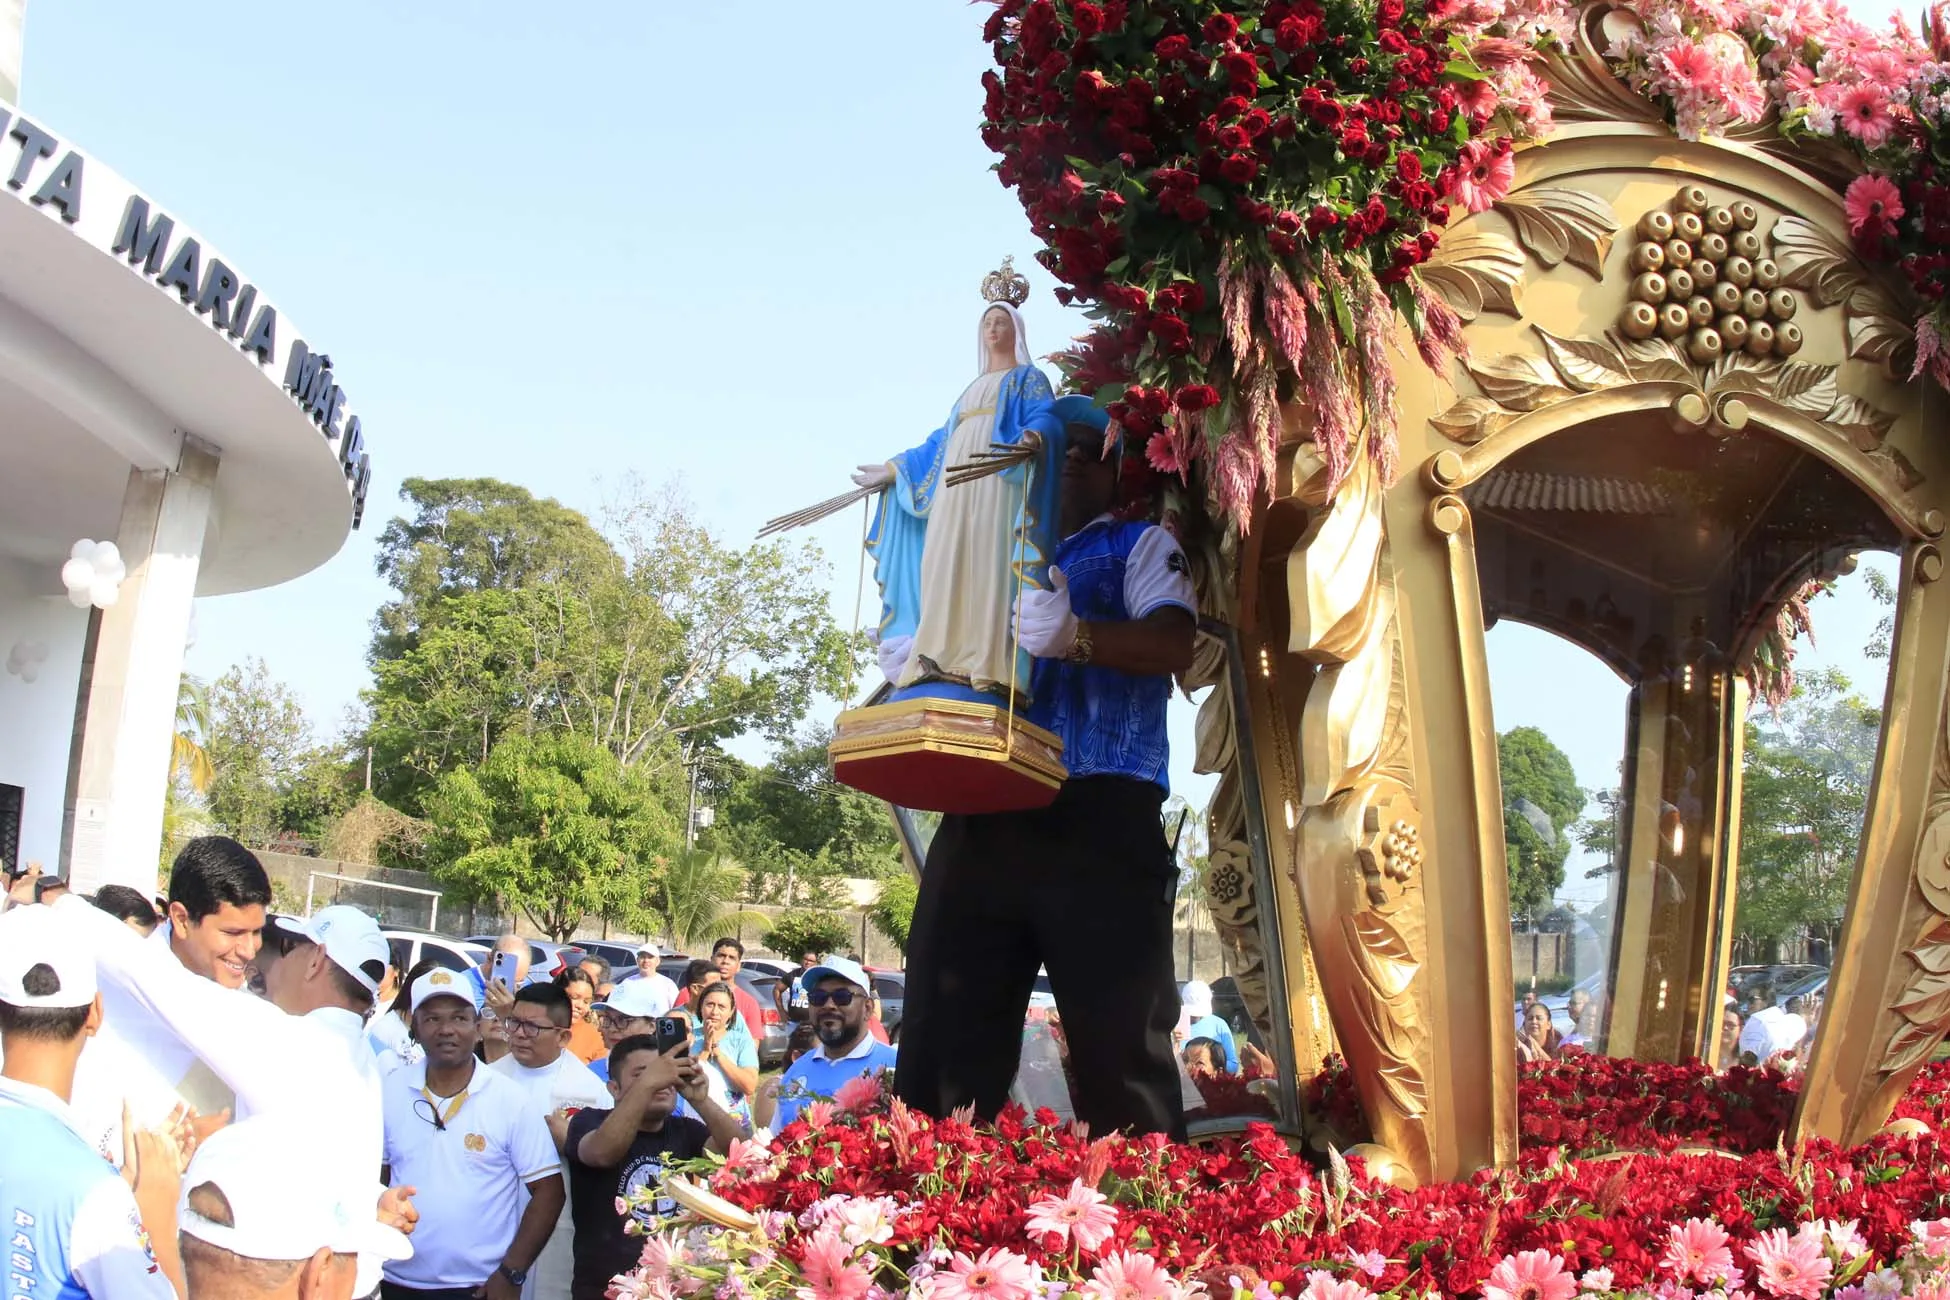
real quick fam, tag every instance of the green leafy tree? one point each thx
(790, 820)
(698, 897)
(189, 761)
(272, 777)
(893, 912)
(1805, 785)
(803, 931)
(1541, 800)
(553, 827)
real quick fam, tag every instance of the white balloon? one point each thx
(77, 573)
(79, 597)
(113, 573)
(106, 555)
(104, 594)
(29, 673)
(82, 549)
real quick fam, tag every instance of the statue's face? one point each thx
(998, 331)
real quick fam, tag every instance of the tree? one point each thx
(272, 777)
(1541, 798)
(698, 892)
(791, 820)
(801, 932)
(1883, 593)
(893, 912)
(553, 827)
(1805, 782)
(189, 761)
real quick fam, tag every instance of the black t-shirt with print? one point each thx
(602, 1250)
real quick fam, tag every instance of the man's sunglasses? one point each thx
(838, 997)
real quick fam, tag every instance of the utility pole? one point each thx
(690, 814)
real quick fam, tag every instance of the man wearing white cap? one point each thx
(74, 1227)
(631, 1008)
(1197, 1020)
(301, 1053)
(466, 1137)
(248, 1229)
(836, 989)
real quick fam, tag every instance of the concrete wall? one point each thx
(37, 718)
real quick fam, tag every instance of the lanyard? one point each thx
(453, 1107)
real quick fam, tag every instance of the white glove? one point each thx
(892, 655)
(873, 476)
(1046, 626)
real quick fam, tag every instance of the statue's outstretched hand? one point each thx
(873, 476)
(892, 656)
(1046, 626)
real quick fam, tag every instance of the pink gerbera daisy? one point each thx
(1864, 113)
(997, 1274)
(1129, 1276)
(1082, 1212)
(1322, 1285)
(1531, 1275)
(1697, 1251)
(1790, 1266)
(830, 1270)
(1873, 205)
(1484, 174)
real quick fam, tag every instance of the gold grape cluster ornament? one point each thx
(1703, 279)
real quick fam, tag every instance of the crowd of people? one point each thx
(198, 1099)
(1755, 1028)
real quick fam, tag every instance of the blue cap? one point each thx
(837, 968)
(1079, 409)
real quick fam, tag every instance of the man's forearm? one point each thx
(609, 1142)
(545, 1198)
(1147, 647)
(721, 1123)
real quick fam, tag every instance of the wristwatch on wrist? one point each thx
(515, 1276)
(1081, 647)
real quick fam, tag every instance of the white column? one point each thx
(129, 716)
(13, 21)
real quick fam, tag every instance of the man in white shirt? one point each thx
(466, 1138)
(1770, 1029)
(632, 1008)
(218, 893)
(249, 1230)
(74, 1226)
(300, 1054)
(555, 1082)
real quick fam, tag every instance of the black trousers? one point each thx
(394, 1291)
(1083, 888)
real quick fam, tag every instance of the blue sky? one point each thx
(734, 246)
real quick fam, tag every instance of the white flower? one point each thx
(1883, 1284)
(1596, 1279)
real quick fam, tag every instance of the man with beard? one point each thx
(616, 1154)
(836, 992)
(1083, 887)
(465, 1137)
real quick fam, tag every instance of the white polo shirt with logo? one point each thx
(472, 1176)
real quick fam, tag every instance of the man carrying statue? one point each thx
(1029, 637)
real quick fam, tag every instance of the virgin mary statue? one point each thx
(952, 554)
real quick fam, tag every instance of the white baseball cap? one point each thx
(837, 968)
(279, 1210)
(42, 936)
(639, 999)
(349, 937)
(441, 984)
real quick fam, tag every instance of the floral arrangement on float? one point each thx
(1220, 183)
(864, 1199)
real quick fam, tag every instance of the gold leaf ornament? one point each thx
(1476, 271)
(1587, 365)
(1519, 381)
(1563, 225)
(1813, 261)
(1470, 420)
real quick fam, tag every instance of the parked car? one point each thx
(766, 966)
(1743, 978)
(409, 946)
(890, 986)
(543, 955)
(620, 956)
(1812, 985)
(1592, 985)
(776, 1035)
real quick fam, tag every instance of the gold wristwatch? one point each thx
(1080, 648)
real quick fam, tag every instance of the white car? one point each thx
(411, 946)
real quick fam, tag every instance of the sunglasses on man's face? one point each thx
(838, 997)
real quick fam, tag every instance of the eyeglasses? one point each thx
(838, 997)
(518, 1028)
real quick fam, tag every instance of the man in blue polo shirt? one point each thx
(836, 993)
(72, 1226)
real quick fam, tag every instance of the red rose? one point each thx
(1173, 47)
(1172, 333)
(1223, 27)
(1194, 210)
(1322, 218)
(1354, 140)
(1089, 18)
(1242, 69)
(1070, 189)
(1256, 121)
(1231, 106)
(1408, 165)
(1238, 168)
(1110, 203)
(1197, 397)
(1389, 13)
(1235, 137)
(1288, 221)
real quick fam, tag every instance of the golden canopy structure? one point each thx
(1686, 398)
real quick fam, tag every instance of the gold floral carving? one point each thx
(1562, 225)
(1358, 859)
(1583, 87)
(1476, 271)
(1521, 382)
(1923, 1003)
(1827, 270)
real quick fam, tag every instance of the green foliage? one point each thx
(1541, 799)
(699, 893)
(554, 827)
(189, 761)
(893, 912)
(789, 820)
(271, 776)
(799, 932)
(1805, 783)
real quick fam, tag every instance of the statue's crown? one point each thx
(1004, 285)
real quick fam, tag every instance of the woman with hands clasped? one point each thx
(724, 1050)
